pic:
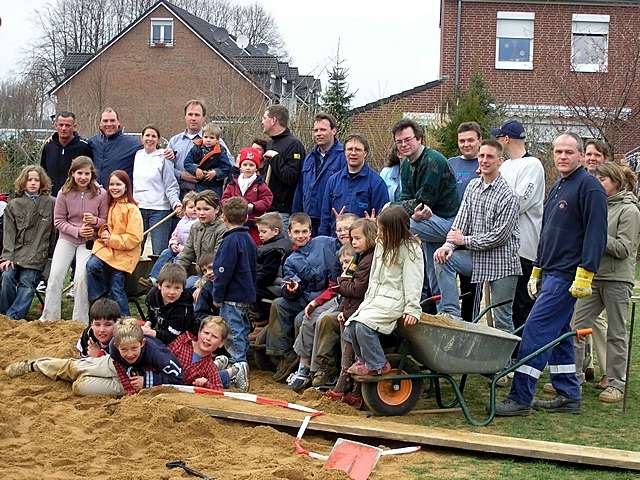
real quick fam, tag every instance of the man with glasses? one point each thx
(429, 192)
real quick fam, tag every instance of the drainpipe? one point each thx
(457, 66)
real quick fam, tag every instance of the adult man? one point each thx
(487, 225)
(195, 113)
(355, 189)
(465, 168)
(525, 175)
(112, 149)
(282, 160)
(429, 192)
(572, 242)
(65, 145)
(325, 159)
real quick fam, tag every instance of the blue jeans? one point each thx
(285, 223)
(159, 236)
(106, 281)
(237, 344)
(17, 291)
(281, 329)
(501, 289)
(366, 344)
(167, 256)
(432, 233)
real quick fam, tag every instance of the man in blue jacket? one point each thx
(572, 242)
(325, 159)
(112, 149)
(356, 188)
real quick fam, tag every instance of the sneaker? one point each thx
(324, 378)
(603, 384)
(449, 316)
(241, 380)
(299, 380)
(287, 365)
(72, 292)
(502, 382)
(221, 362)
(42, 287)
(511, 408)
(559, 403)
(147, 282)
(360, 368)
(548, 388)
(611, 395)
(18, 369)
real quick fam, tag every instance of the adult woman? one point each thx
(596, 153)
(613, 284)
(391, 174)
(155, 188)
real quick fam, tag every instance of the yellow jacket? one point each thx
(122, 250)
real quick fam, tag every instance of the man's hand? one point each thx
(137, 382)
(308, 310)
(178, 209)
(409, 319)
(581, 286)
(6, 265)
(169, 154)
(442, 254)
(421, 212)
(455, 236)
(535, 283)
(187, 177)
(338, 213)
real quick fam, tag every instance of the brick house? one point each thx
(167, 56)
(541, 59)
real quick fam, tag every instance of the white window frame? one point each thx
(162, 23)
(515, 17)
(587, 24)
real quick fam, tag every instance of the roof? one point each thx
(73, 61)
(259, 64)
(397, 96)
(626, 3)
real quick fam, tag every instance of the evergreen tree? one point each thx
(336, 99)
(475, 104)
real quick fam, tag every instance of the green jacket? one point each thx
(203, 239)
(29, 234)
(623, 219)
(430, 181)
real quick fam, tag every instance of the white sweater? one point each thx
(526, 177)
(154, 184)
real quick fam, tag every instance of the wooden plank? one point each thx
(411, 433)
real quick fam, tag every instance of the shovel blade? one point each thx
(356, 459)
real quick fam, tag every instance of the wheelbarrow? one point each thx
(436, 349)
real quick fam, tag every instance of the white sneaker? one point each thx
(221, 362)
(72, 291)
(241, 380)
(42, 287)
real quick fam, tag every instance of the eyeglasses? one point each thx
(404, 141)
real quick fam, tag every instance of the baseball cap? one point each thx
(510, 128)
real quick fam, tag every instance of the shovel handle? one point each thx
(583, 332)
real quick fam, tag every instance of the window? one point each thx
(161, 32)
(589, 43)
(514, 40)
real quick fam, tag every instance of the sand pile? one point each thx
(48, 433)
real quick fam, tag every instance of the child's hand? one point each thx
(93, 349)
(409, 319)
(147, 324)
(291, 286)
(137, 382)
(250, 207)
(86, 231)
(341, 317)
(210, 175)
(148, 331)
(308, 310)
(199, 174)
(196, 294)
(200, 382)
(89, 218)
(105, 235)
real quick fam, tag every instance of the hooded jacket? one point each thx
(122, 250)
(203, 238)
(257, 193)
(116, 152)
(270, 256)
(56, 158)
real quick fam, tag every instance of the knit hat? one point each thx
(251, 154)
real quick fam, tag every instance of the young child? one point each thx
(196, 356)
(208, 161)
(204, 236)
(170, 306)
(94, 341)
(306, 273)
(81, 208)
(177, 241)
(395, 284)
(142, 362)
(203, 299)
(27, 241)
(343, 223)
(234, 283)
(305, 323)
(117, 249)
(250, 186)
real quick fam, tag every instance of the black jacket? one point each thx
(172, 319)
(56, 159)
(270, 257)
(285, 170)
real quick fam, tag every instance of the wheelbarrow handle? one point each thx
(490, 307)
(583, 332)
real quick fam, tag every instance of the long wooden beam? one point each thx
(417, 434)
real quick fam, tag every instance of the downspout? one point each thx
(457, 66)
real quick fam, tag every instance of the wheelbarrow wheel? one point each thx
(393, 397)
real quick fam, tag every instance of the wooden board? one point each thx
(414, 434)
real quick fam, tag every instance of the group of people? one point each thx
(320, 254)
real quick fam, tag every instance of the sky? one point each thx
(369, 32)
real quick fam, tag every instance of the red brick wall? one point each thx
(151, 85)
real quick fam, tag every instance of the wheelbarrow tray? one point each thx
(452, 347)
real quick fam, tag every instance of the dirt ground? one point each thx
(48, 433)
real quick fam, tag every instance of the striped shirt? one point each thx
(488, 218)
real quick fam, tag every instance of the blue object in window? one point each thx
(514, 50)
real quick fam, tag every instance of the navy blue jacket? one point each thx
(311, 266)
(113, 153)
(156, 363)
(574, 225)
(234, 268)
(204, 307)
(358, 194)
(311, 184)
(218, 162)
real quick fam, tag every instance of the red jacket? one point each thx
(182, 348)
(258, 194)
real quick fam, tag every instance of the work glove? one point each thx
(581, 286)
(535, 283)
